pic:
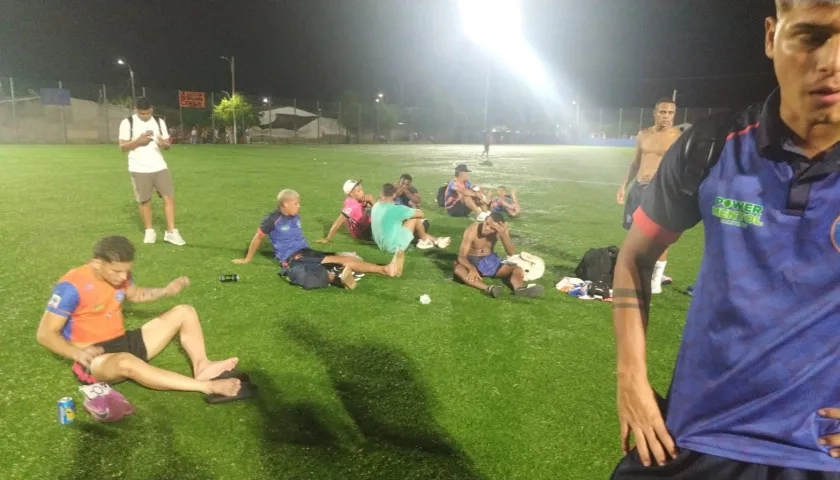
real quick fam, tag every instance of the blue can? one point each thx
(66, 411)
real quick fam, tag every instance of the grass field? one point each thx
(368, 384)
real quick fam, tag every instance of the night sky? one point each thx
(613, 52)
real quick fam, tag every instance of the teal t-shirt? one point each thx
(386, 222)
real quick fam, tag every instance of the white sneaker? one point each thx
(443, 242)
(425, 244)
(174, 238)
(150, 236)
(655, 287)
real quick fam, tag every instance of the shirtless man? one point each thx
(476, 259)
(651, 145)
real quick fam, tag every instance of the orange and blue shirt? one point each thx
(92, 306)
(452, 196)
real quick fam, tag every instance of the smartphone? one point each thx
(150, 133)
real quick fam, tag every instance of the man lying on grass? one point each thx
(304, 266)
(84, 322)
(476, 259)
(396, 226)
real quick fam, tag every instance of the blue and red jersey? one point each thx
(760, 347)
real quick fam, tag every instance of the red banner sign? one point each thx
(191, 99)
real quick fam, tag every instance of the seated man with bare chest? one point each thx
(476, 259)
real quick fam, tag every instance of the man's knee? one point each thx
(126, 365)
(183, 312)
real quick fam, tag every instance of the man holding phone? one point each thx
(143, 136)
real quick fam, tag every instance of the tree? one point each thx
(244, 111)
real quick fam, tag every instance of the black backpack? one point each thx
(598, 265)
(131, 125)
(441, 196)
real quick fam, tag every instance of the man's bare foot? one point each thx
(227, 387)
(207, 370)
(395, 268)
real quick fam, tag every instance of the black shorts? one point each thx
(130, 342)
(307, 255)
(691, 465)
(305, 269)
(632, 202)
(458, 210)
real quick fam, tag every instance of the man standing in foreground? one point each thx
(143, 136)
(651, 145)
(754, 393)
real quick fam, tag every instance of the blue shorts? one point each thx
(487, 266)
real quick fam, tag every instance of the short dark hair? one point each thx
(406, 176)
(664, 100)
(389, 190)
(114, 249)
(783, 6)
(497, 217)
(142, 103)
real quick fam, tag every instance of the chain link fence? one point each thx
(47, 111)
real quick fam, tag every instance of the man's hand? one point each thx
(86, 355)
(473, 275)
(175, 286)
(162, 142)
(323, 241)
(502, 230)
(242, 261)
(639, 413)
(832, 440)
(144, 139)
(619, 197)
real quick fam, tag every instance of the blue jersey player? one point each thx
(754, 393)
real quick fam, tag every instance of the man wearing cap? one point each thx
(355, 213)
(461, 197)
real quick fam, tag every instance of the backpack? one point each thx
(598, 265)
(441, 196)
(131, 125)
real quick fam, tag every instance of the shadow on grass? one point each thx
(394, 432)
(443, 261)
(105, 451)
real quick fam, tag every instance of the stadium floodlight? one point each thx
(380, 95)
(265, 99)
(122, 62)
(496, 25)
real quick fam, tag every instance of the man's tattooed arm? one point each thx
(137, 294)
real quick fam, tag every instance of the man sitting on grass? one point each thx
(406, 193)
(304, 266)
(396, 226)
(84, 322)
(504, 203)
(476, 259)
(355, 213)
(461, 198)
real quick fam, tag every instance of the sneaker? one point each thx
(482, 216)
(174, 238)
(494, 291)
(655, 288)
(425, 244)
(529, 291)
(348, 279)
(150, 236)
(443, 242)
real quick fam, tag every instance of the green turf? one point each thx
(368, 384)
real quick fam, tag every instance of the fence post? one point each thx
(107, 126)
(339, 122)
(600, 119)
(212, 118)
(144, 91)
(620, 114)
(359, 125)
(270, 121)
(710, 111)
(63, 123)
(641, 115)
(14, 109)
(318, 104)
(685, 115)
(294, 102)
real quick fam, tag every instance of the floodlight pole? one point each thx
(232, 93)
(487, 93)
(133, 94)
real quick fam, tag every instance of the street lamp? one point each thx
(267, 101)
(232, 91)
(131, 74)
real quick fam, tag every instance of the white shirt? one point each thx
(147, 159)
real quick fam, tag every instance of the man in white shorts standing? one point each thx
(143, 136)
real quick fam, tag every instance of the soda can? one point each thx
(66, 411)
(231, 277)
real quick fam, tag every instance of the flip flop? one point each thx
(242, 376)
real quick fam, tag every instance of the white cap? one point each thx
(349, 185)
